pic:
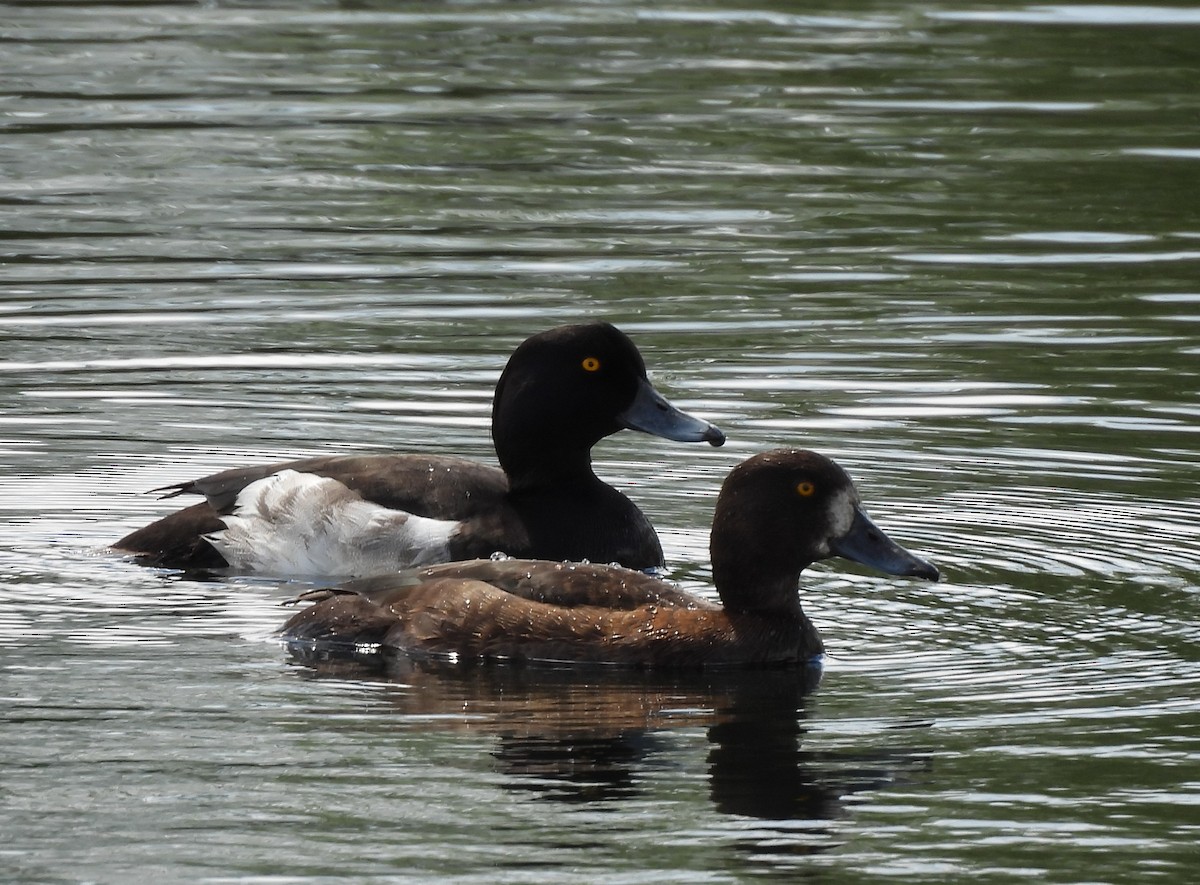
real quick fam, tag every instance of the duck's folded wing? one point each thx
(221, 489)
(569, 584)
(442, 487)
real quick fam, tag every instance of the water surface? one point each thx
(953, 246)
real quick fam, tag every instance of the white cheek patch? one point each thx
(299, 524)
(840, 516)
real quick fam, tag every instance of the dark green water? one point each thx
(956, 247)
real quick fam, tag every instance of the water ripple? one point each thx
(952, 248)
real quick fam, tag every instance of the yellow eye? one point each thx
(590, 364)
(805, 489)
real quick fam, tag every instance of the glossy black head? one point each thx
(780, 511)
(566, 389)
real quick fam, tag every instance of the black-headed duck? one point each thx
(777, 513)
(561, 392)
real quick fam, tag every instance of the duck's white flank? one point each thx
(300, 524)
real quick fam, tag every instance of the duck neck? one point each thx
(746, 588)
(751, 574)
(541, 468)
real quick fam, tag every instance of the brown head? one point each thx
(783, 510)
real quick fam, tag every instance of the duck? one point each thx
(333, 517)
(777, 513)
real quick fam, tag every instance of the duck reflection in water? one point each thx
(776, 514)
(600, 735)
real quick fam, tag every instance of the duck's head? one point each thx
(565, 389)
(783, 510)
